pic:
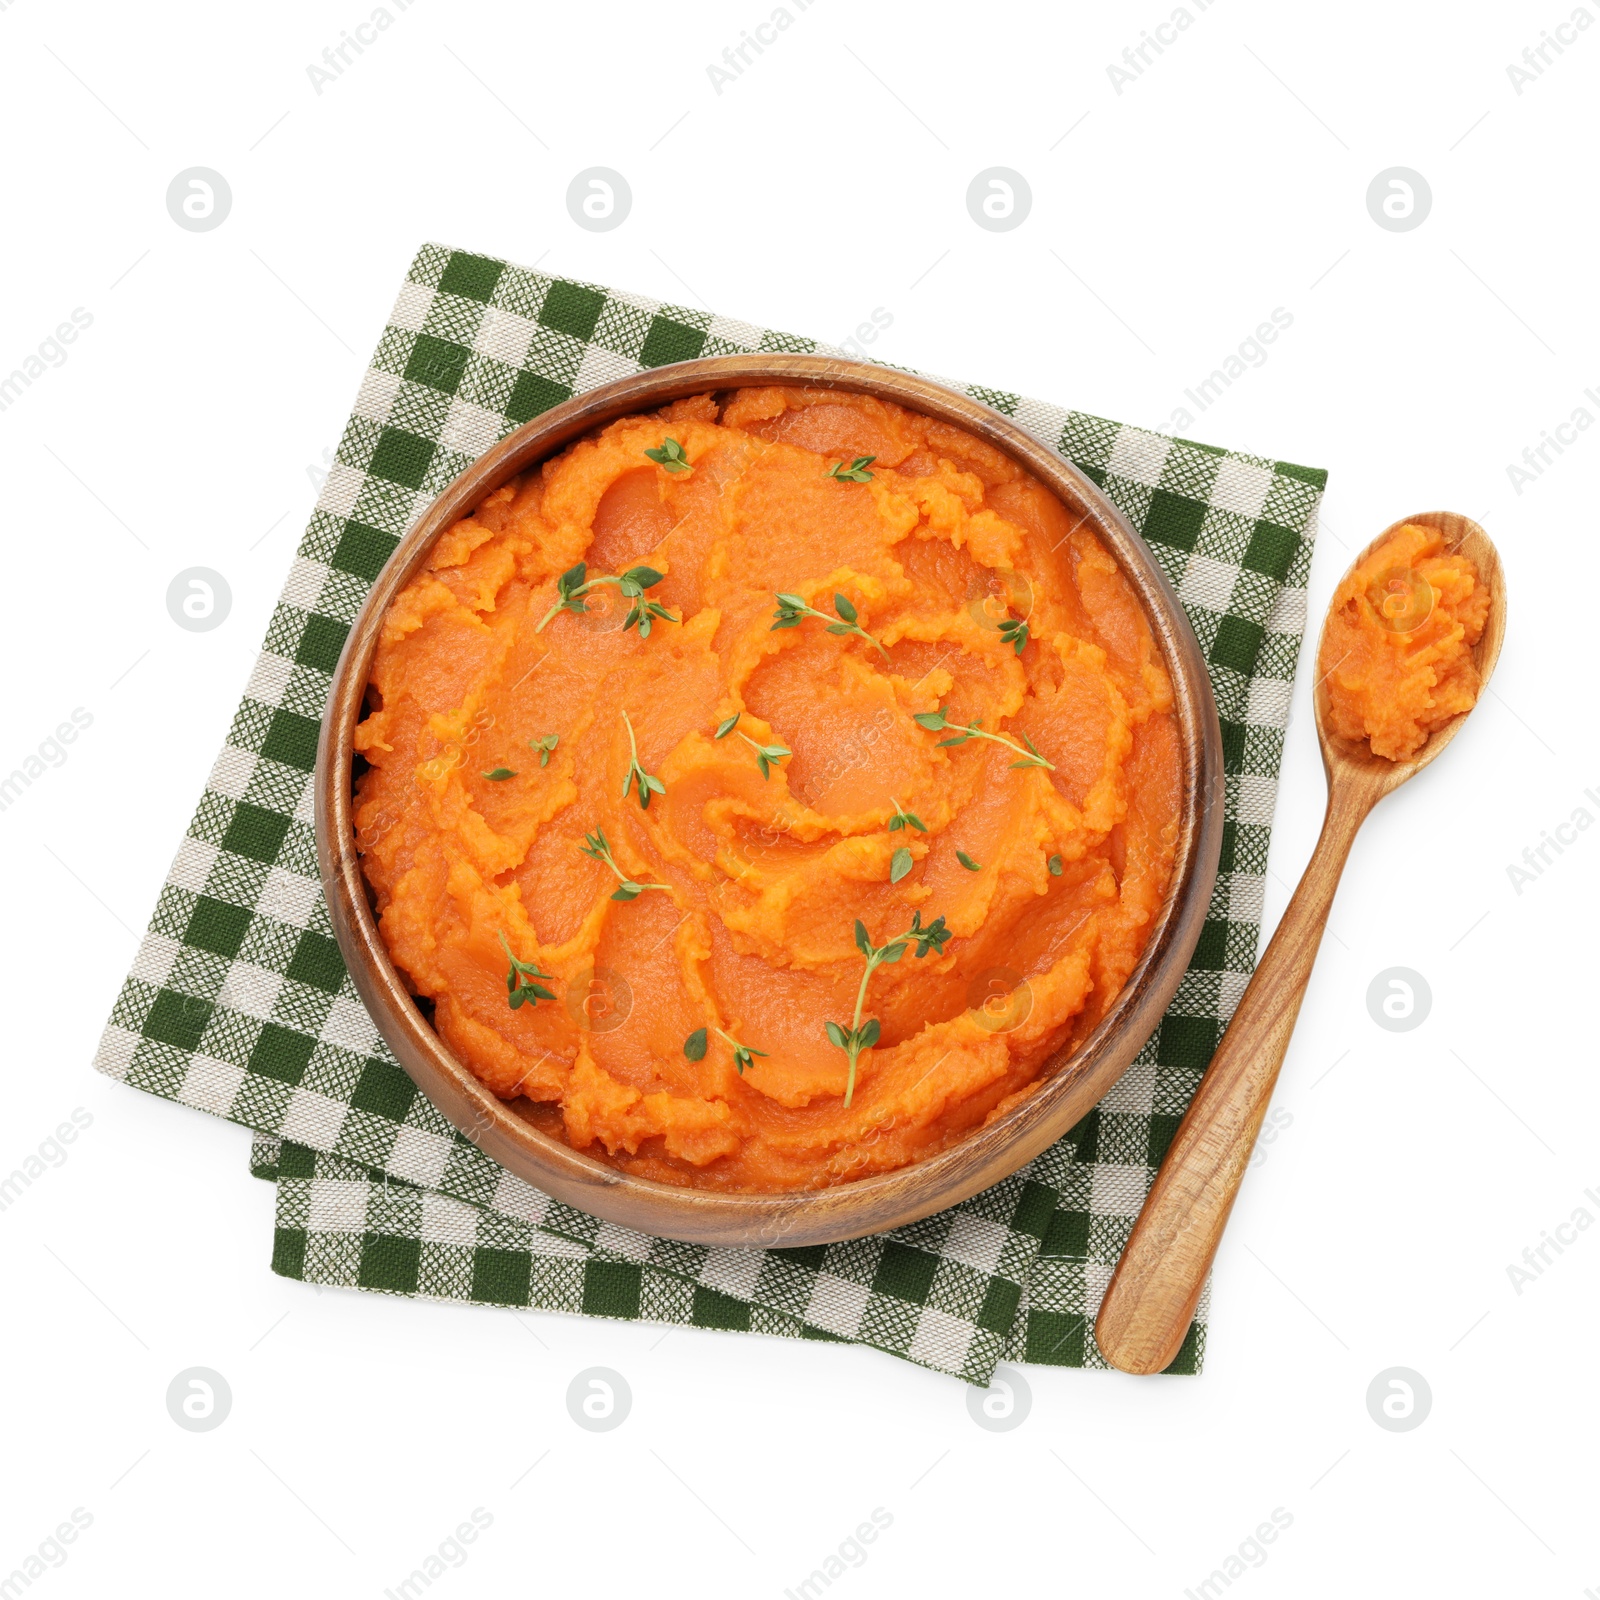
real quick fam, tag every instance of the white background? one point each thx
(1227, 179)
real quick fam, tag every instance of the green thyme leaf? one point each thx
(743, 1054)
(641, 612)
(1055, 866)
(862, 1036)
(1015, 632)
(520, 989)
(968, 862)
(905, 819)
(643, 784)
(972, 730)
(767, 755)
(856, 472)
(1033, 760)
(899, 864)
(694, 1047)
(792, 610)
(669, 454)
(573, 585)
(499, 774)
(595, 846)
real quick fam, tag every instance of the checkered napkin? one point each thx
(239, 1004)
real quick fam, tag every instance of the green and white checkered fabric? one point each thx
(343, 1225)
(239, 1003)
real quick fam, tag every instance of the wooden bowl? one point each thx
(1072, 1085)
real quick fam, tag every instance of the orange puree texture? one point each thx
(765, 878)
(1397, 650)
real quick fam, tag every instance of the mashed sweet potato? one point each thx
(507, 746)
(1397, 649)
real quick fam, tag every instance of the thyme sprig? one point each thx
(1014, 630)
(520, 987)
(905, 819)
(640, 613)
(861, 1035)
(544, 746)
(638, 779)
(856, 472)
(595, 846)
(574, 584)
(694, 1047)
(767, 755)
(669, 454)
(900, 863)
(792, 611)
(938, 722)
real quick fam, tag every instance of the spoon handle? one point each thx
(1151, 1301)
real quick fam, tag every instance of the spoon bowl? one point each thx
(1151, 1300)
(1350, 759)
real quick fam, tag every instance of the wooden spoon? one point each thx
(1151, 1301)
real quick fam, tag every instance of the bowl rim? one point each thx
(1076, 1080)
